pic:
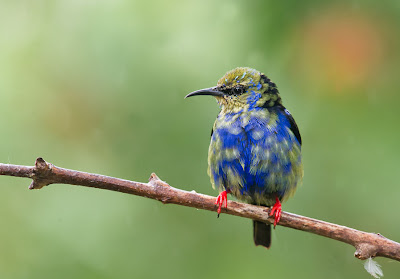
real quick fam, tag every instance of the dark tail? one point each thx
(262, 234)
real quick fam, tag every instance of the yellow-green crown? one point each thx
(241, 75)
(244, 81)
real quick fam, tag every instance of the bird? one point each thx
(255, 147)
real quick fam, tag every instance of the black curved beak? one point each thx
(212, 91)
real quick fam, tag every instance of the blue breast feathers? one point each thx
(256, 154)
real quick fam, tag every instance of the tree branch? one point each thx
(42, 174)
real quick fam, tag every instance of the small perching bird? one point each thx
(255, 148)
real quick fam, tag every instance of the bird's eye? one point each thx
(237, 90)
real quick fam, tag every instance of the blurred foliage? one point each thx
(98, 86)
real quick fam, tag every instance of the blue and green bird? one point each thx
(255, 148)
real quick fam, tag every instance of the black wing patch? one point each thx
(293, 125)
(212, 132)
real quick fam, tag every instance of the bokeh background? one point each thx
(98, 86)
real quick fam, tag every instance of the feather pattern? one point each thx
(256, 155)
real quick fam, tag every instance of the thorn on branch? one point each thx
(154, 180)
(165, 200)
(378, 234)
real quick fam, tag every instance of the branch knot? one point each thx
(41, 174)
(365, 251)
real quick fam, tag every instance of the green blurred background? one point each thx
(98, 86)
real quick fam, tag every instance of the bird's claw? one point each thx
(222, 199)
(276, 210)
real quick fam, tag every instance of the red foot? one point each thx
(221, 199)
(277, 209)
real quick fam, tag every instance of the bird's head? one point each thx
(242, 89)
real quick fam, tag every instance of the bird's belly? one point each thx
(257, 164)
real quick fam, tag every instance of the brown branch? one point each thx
(43, 174)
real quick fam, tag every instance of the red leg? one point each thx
(276, 210)
(221, 199)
